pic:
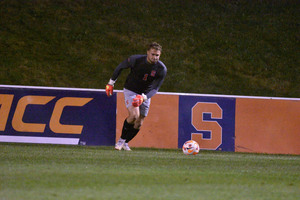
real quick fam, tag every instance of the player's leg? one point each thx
(134, 121)
(135, 129)
(129, 122)
(127, 128)
(139, 119)
(133, 113)
(128, 131)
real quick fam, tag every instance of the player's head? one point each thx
(153, 52)
(154, 45)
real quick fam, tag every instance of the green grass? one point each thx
(219, 47)
(80, 172)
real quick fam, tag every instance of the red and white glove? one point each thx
(110, 88)
(138, 100)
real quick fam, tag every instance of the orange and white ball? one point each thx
(190, 147)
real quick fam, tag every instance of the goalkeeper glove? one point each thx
(110, 88)
(138, 100)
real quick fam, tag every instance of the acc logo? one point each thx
(212, 126)
(19, 125)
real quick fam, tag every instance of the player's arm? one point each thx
(110, 85)
(128, 63)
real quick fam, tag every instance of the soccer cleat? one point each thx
(119, 145)
(126, 147)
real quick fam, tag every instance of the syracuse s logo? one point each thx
(19, 125)
(212, 126)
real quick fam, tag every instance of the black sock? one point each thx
(131, 134)
(126, 129)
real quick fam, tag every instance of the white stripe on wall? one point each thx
(40, 140)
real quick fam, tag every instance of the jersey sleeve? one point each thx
(129, 62)
(118, 70)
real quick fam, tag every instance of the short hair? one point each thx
(154, 45)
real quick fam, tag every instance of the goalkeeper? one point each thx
(146, 75)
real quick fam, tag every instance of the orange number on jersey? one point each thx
(200, 124)
(145, 77)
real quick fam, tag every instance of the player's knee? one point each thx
(133, 118)
(138, 123)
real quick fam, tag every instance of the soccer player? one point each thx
(147, 74)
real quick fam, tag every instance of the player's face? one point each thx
(153, 56)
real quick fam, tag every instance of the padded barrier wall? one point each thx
(219, 122)
(56, 116)
(87, 117)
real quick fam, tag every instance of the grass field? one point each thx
(81, 172)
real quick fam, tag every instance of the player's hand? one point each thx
(110, 87)
(109, 90)
(138, 100)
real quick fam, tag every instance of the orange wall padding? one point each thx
(267, 126)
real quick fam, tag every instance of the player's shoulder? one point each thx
(136, 57)
(161, 64)
(132, 60)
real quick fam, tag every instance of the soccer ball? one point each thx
(190, 147)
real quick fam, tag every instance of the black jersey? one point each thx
(144, 77)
